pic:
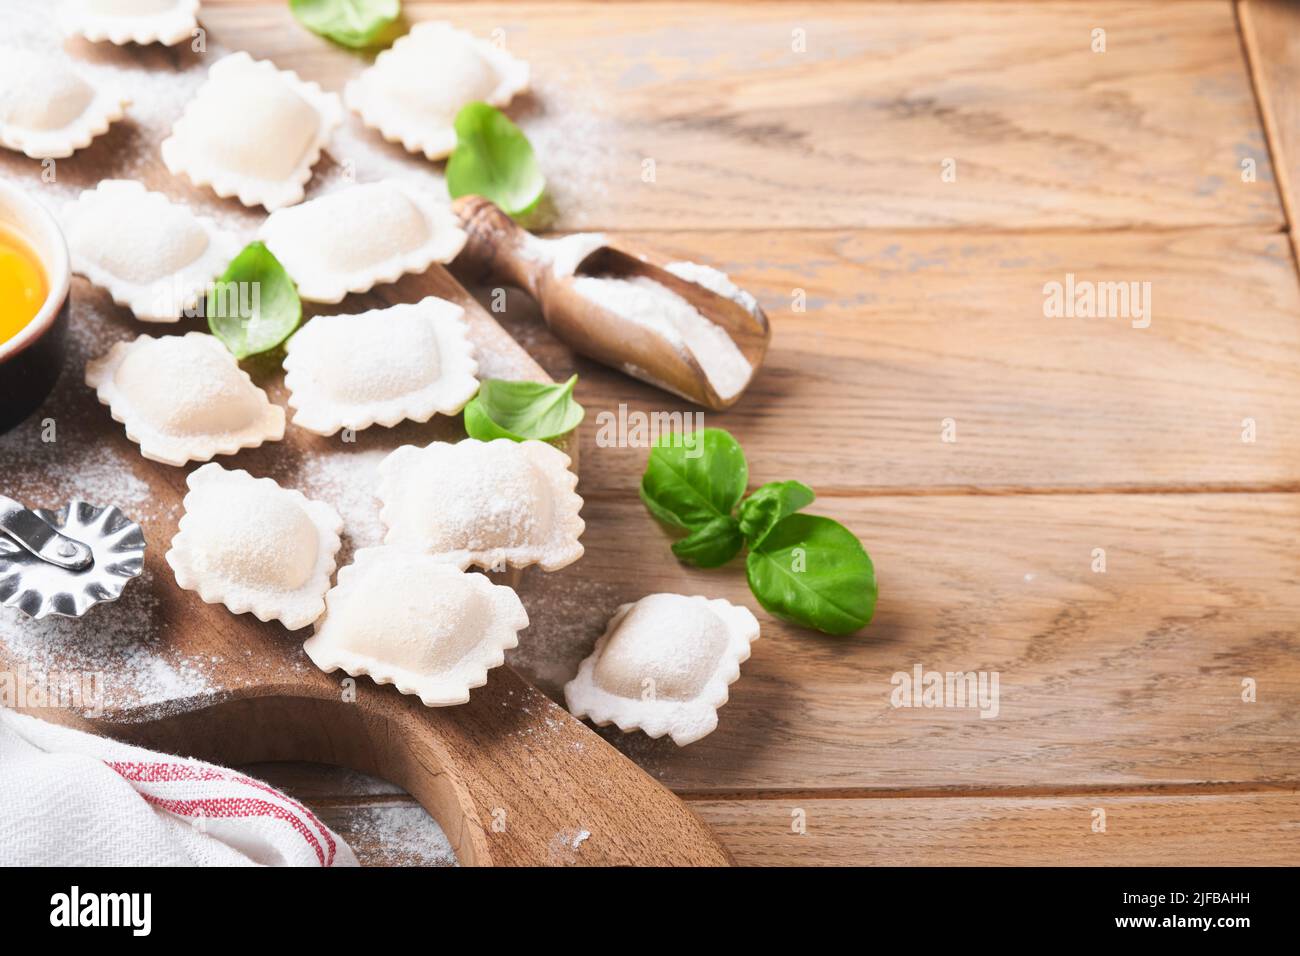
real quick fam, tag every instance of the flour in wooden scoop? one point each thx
(647, 303)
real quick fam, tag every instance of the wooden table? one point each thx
(803, 148)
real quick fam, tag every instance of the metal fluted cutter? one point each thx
(65, 562)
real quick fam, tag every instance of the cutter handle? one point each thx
(36, 535)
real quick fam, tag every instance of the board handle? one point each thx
(512, 778)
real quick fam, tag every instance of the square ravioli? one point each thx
(353, 239)
(380, 367)
(253, 132)
(47, 109)
(183, 398)
(251, 545)
(415, 89)
(414, 621)
(663, 666)
(494, 504)
(130, 21)
(152, 255)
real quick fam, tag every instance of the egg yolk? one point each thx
(22, 286)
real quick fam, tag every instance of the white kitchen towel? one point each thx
(72, 799)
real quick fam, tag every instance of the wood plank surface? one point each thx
(385, 827)
(1256, 829)
(820, 172)
(745, 131)
(1129, 677)
(904, 330)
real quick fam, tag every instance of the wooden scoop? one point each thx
(500, 249)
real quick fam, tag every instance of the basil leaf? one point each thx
(354, 23)
(522, 410)
(254, 306)
(493, 159)
(690, 481)
(813, 571)
(768, 504)
(712, 545)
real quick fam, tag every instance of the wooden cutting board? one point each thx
(511, 777)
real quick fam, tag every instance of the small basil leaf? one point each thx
(769, 503)
(353, 23)
(493, 159)
(254, 306)
(814, 572)
(522, 410)
(712, 545)
(691, 480)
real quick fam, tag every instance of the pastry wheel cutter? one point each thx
(65, 562)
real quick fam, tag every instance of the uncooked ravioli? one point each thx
(47, 109)
(251, 545)
(130, 21)
(183, 398)
(495, 504)
(252, 131)
(353, 239)
(380, 367)
(152, 255)
(663, 666)
(415, 89)
(412, 620)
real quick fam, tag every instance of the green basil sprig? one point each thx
(353, 23)
(522, 410)
(254, 306)
(805, 569)
(494, 159)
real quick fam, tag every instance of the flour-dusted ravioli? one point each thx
(251, 545)
(47, 109)
(152, 255)
(415, 89)
(380, 367)
(183, 398)
(355, 238)
(252, 131)
(663, 666)
(414, 621)
(130, 21)
(492, 504)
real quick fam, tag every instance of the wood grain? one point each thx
(1234, 830)
(385, 826)
(904, 330)
(746, 132)
(1255, 829)
(820, 172)
(1129, 677)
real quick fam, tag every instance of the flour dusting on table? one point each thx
(398, 835)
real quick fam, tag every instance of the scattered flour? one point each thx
(398, 835)
(647, 303)
(565, 846)
(347, 480)
(117, 645)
